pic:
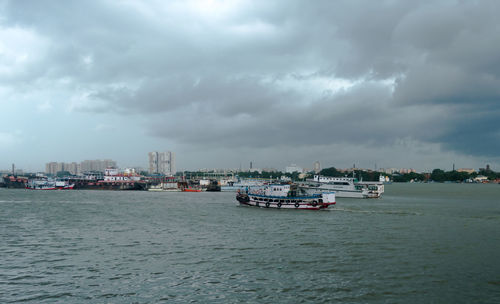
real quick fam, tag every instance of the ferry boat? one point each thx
(287, 196)
(344, 187)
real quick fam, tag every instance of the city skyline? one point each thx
(164, 163)
(223, 83)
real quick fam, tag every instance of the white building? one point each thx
(293, 168)
(162, 163)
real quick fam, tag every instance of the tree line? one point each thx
(437, 175)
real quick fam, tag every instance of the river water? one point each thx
(419, 243)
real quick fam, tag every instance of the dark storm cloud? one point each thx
(258, 76)
(351, 117)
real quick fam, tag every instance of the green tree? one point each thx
(438, 175)
(63, 173)
(331, 172)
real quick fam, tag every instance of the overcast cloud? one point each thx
(223, 83)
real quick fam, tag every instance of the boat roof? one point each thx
(291, 197)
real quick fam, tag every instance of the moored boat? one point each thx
(16, 182)
(191, 190)
(165, 187)
(284, 196)
(48, 184)
(344, 187)
(213, 186)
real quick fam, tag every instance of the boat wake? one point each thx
(395, 212)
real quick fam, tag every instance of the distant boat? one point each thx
(165, 187)
(11, 181)
(384, 179)
(213, 186)
(285, 196)
(191, 190)
(48, 184)
(344, 187)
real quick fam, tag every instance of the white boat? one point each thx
(344, 187)
(165, 187)
(284, 197)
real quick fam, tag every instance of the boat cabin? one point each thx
(277, 190)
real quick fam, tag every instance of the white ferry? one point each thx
(344, 187)
(284, 197)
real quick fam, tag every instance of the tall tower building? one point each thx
(317, 167)
(162, 163)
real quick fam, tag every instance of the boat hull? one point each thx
(69, 187)
(164, 190)
(105, 185)
(282, 203)
(191, 190)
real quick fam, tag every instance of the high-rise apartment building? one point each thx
(51, 168)
(97, 165)
(55, 167)
(162, 163)
(317, 167)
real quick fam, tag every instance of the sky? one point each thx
(400, 84)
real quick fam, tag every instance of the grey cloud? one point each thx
(211, 93)
(362, 115)
(224, 78)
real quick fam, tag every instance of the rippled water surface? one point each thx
(419, 243)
